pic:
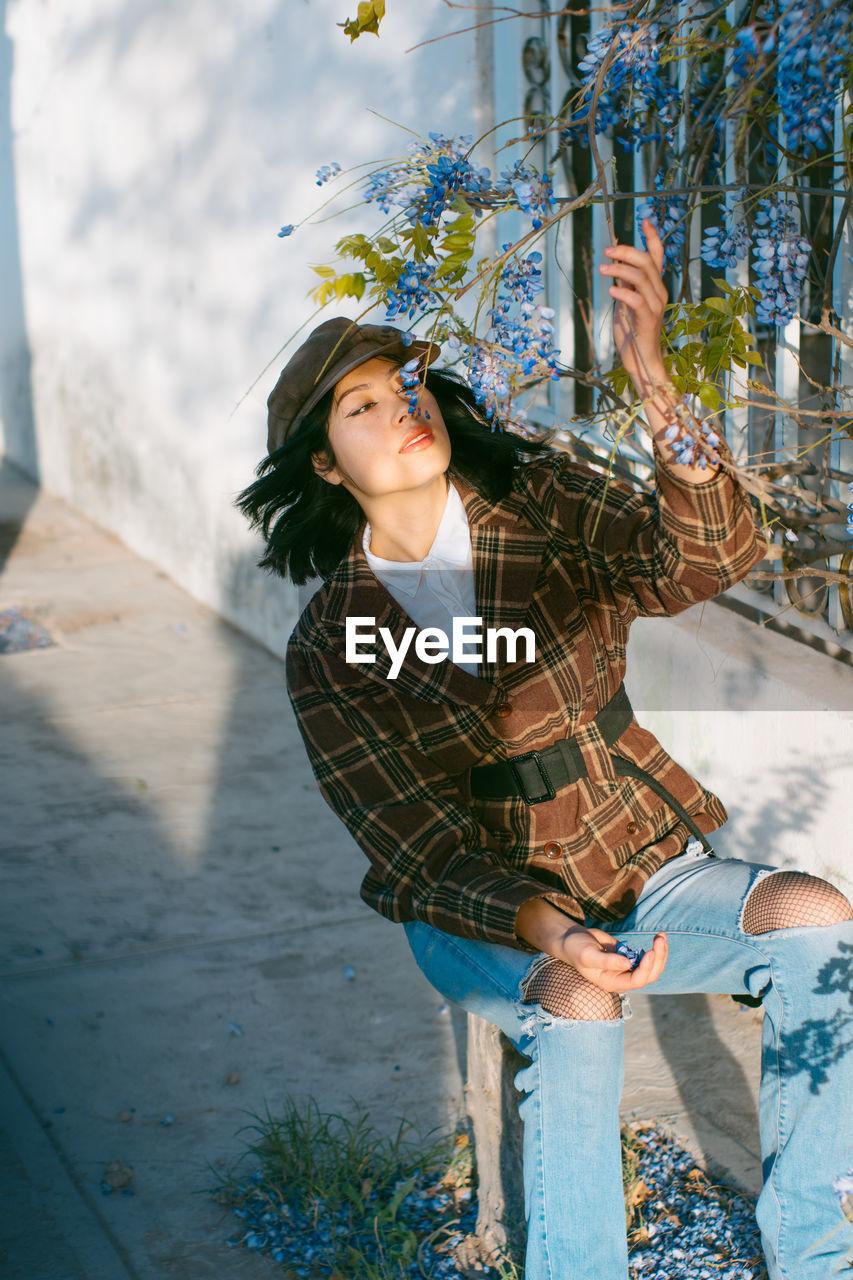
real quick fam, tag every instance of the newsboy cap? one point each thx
(331, 350)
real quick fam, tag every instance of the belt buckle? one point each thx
(548, 794)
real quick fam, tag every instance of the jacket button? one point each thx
(553, 849)
(631, 828)
(503, 709)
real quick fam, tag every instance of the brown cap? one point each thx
(331, 350)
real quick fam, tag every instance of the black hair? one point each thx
(309, 525)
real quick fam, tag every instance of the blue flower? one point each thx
(815, 45)
(533, 192)
(669, 215)
(746, 50)
(288, 230)
(635, 92)
(425, 185)
(326, 172)
(518, 348)
(412, 291)
(727, 245)
(410, 376)
(780, 261)
(686, 448)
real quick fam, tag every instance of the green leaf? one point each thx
(710, 397)
(453, 242)
(387, 272)
(370, 14)
(451, 269)
(350, 286)
(420, 240)
(389, 1211)
(753, 357)
(717, 304)
(356, 246)
(715, 354)
(323, 293)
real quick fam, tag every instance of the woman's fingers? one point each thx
(638, 280)
(652, 964)
(653, 254)
(609, 961)
(602, 965)
(653, 242)
(626, 277)
(632, 298)
(649, 969)
(648, 262)
(600, 935)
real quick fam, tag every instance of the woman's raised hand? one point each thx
(640, 302)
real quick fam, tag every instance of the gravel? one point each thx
(684, 1227)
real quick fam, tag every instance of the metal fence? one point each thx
(535, 73)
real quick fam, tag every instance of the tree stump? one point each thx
(496, 1129)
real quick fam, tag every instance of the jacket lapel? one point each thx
(507, 558)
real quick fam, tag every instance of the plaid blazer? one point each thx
(575, 557)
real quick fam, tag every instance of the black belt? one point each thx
(536, 776)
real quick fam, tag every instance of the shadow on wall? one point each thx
(17, 418)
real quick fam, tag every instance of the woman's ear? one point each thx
(324, 468)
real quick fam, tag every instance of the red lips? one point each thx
(415, 435)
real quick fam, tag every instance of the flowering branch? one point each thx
(762, 96)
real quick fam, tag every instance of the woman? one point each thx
(517, 819)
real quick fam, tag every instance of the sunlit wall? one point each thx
(149, 154)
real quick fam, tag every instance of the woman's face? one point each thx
(380, 446)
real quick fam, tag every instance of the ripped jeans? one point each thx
(572, 1087)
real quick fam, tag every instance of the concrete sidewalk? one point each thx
(181, 924)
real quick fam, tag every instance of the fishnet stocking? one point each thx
(561, 990)
(791, 899)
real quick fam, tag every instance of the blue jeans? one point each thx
(572, 1087)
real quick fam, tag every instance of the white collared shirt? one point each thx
(440, 587)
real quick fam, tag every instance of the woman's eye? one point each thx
(361, 408)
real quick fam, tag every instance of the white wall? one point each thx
(764, 722)
(156, 150)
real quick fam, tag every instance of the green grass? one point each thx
(335, 1183)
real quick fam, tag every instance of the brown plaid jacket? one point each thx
(576, 558)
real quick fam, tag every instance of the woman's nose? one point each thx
(403, 407)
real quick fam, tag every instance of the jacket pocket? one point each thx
(507, 821)
(621, 824)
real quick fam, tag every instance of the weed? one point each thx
(329, 1196)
